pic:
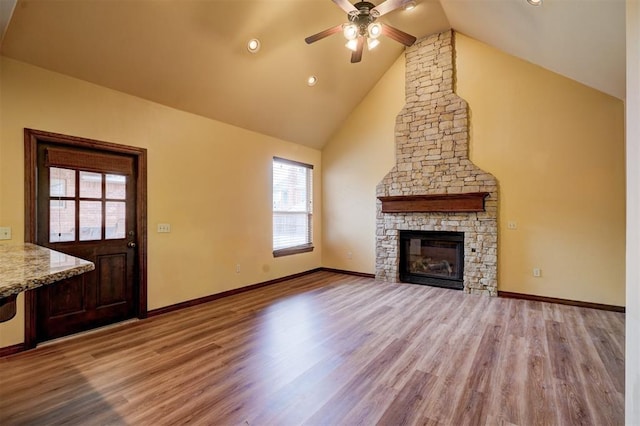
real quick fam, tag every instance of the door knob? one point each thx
(131, 244)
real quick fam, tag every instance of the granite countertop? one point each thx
(28, 266)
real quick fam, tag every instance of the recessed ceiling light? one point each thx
(253, 45)
(534, 2)
(410, 5)
(312, 80)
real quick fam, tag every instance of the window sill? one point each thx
(293, 250)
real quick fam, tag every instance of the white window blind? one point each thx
(292, 206)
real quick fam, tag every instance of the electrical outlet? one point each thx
(537, 272)
(349, 255)
(5, 233)
(238, 268)
(164, 228)
(512, 225)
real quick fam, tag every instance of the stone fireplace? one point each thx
(434, 186)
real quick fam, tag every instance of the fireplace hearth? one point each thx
(432, 258)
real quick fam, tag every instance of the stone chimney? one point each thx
(432, 158)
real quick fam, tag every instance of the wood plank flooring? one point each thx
(331, 349)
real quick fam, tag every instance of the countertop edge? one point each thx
(29, 283)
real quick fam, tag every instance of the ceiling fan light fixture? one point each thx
(535, 2)
(253, 45)
(362, 26)
(350, 31)
(352, 44)
(374, 30)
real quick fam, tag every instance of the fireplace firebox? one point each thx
(432, 258)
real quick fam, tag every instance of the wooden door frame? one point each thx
(31, 140)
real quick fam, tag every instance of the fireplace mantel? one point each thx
(449, 203)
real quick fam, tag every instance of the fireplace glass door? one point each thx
(432, 258)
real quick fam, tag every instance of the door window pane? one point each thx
(90, 186)
(62, 182)
(62, 220)
(90, 220)
(115, 219)
(116, 187)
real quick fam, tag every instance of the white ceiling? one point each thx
(191, 54)
(580, 39)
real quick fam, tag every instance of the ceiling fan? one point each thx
(362, 26)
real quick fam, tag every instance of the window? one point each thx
(93, 203)
(292, 207)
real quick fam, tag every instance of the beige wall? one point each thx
(557, 149)
(358, 156)
(632, 370)
(209, 180)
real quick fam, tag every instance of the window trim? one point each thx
(302, 248)
(292, 162)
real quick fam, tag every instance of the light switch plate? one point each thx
(164, 227)
(5, 233)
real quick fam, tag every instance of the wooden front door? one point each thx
(86, 206)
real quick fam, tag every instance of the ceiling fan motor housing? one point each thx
(364, 16)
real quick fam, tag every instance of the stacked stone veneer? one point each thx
(432, 153)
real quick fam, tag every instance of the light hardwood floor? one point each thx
(331, 349)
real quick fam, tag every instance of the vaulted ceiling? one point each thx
(191, 54)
